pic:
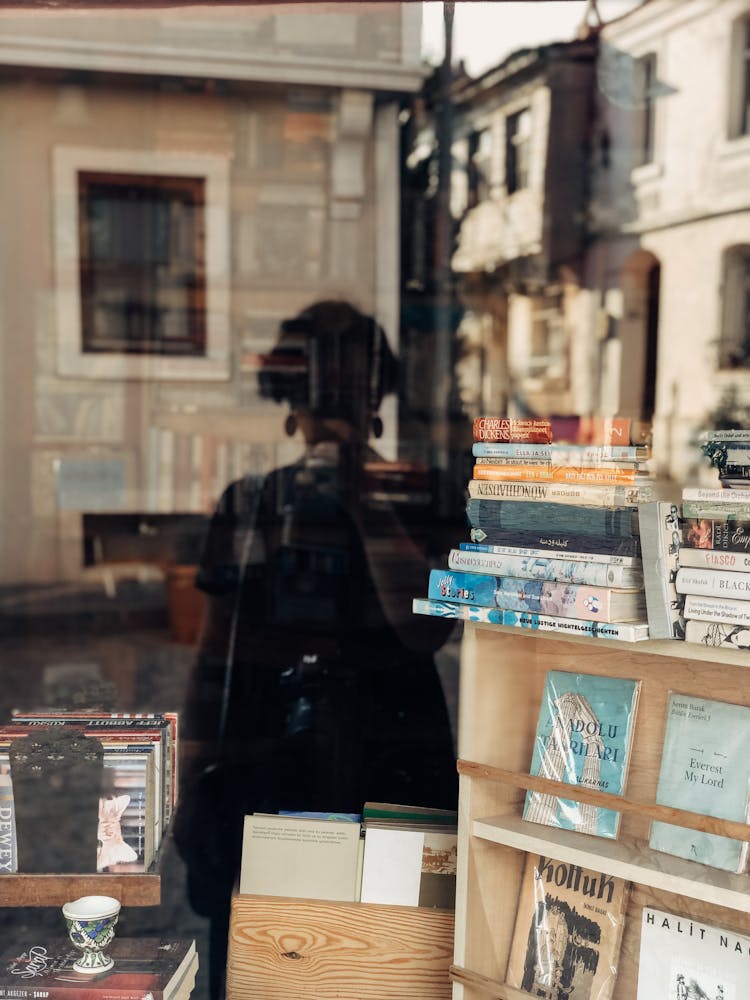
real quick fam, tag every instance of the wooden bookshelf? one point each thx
(502, 676)
(54, 890)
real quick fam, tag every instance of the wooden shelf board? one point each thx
(650, 647)
(637, 864)
(54, 890)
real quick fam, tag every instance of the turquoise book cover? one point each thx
(705, 768)
(584, 737)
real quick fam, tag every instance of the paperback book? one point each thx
(705, 768)
(710, 559)
(595, 574)
(659, 524)
(619, 475)
(554, 518)
(713, 582)
(583, 494)
(409, 863)
(568, 931)
(554, 541)
(633, 562)
(729, 610)
(512, 429)
(624, 631)
(584, 736)
(547, 597)
(563, 454)
(683, 959)
(718, 634)
(724, 535)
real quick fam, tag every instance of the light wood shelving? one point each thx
(502, 676)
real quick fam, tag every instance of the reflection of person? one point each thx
(334, 694)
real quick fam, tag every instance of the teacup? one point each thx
(91, 927)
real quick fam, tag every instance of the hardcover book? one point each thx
(144, 967)
(595, 574)
(625, 631)
(683, 959)
(705, 768)
(584, 736)
(554, 518)
(547, 597)
(568, 931)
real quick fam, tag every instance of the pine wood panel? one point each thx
(303, 949)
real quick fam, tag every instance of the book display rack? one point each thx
(503, 674)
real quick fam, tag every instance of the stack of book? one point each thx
(714, 556)
(139, 784)
(554, 532)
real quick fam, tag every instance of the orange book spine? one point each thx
(558, 474)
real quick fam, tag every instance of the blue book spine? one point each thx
(556, 543)
(583, 737)
(556, 517)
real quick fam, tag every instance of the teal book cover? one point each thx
(584, 737)
(705, 768)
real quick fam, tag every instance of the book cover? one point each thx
(683, 959)
(584, 736)
(714, 582)
(710, 533)
(568, 931)
(547, 597)
(299, 856)
(552, 518)
(705, 768)
(619, 475)
(718, 634)
(717, 609)
(624, 631)
(659, 524)
(595, 574)
(634, 562)
(585, 495)
(143, 967)
(409, 864)
(556, 541)
(512, 429)
(8, 844)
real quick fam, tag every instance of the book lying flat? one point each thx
(595, 574)
(625, 631)
(143, 967)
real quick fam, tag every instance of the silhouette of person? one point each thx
(312, 669)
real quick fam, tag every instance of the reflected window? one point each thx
(517, 150)
(480, 166)
(739, 123)
(142, 269)
(645, 81)
(735, 334)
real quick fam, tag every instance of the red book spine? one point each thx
(512, 429)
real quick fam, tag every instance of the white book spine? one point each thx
(715, 495)
(712, 559)
(591, 557)
(713, 582)
(717, 609)
(718, 634)
(546, 568)
(585, 496)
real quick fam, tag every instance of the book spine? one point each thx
(717, 634)
(714, 582)
(557, 518)
(717, 609)
(711, 533)
(734, 471)
(557, 542)
(562, 600)
(729, 434)
(625, 632)
(715, 495)
(8, 842)
(718, 511)
(710, 559)
(739, 454)
(512, 429)
(616, 476)
(562, 454)
(545, 568)
(616, 430)
(530, 553)
(583, 494)
(660, 546)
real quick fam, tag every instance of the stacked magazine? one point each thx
(554, 531)
(714, 559)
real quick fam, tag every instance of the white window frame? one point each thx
(71, 359)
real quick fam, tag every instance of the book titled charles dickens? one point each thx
(584, 737)
(568, 931)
